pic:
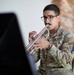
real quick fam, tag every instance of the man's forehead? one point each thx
(48, 12)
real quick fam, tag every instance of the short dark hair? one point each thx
(52, 7)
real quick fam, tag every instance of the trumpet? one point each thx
(37, 37)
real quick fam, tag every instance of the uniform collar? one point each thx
(59, 31)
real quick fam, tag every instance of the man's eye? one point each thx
(45, 17)
(51, 16)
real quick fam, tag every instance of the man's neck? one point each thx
(54, 30)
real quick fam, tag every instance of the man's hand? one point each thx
(32, 36)
(41, 43)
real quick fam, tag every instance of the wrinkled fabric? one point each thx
(56, 71)
(58, 56)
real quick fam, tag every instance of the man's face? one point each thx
(51, 19)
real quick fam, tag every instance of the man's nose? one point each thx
(47, 20)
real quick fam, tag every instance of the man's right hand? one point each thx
(32, 36)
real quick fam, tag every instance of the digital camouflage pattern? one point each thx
(58, 59)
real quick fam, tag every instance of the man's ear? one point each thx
(58, 18)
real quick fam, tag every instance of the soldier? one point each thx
(56, 51)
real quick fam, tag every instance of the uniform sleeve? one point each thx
(36, 55)
(63, 56)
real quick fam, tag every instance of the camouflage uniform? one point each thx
(57, 60)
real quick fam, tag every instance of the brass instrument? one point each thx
(37, 37)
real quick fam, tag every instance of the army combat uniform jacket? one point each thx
(57, 60)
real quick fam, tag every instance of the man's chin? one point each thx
(49, 28)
